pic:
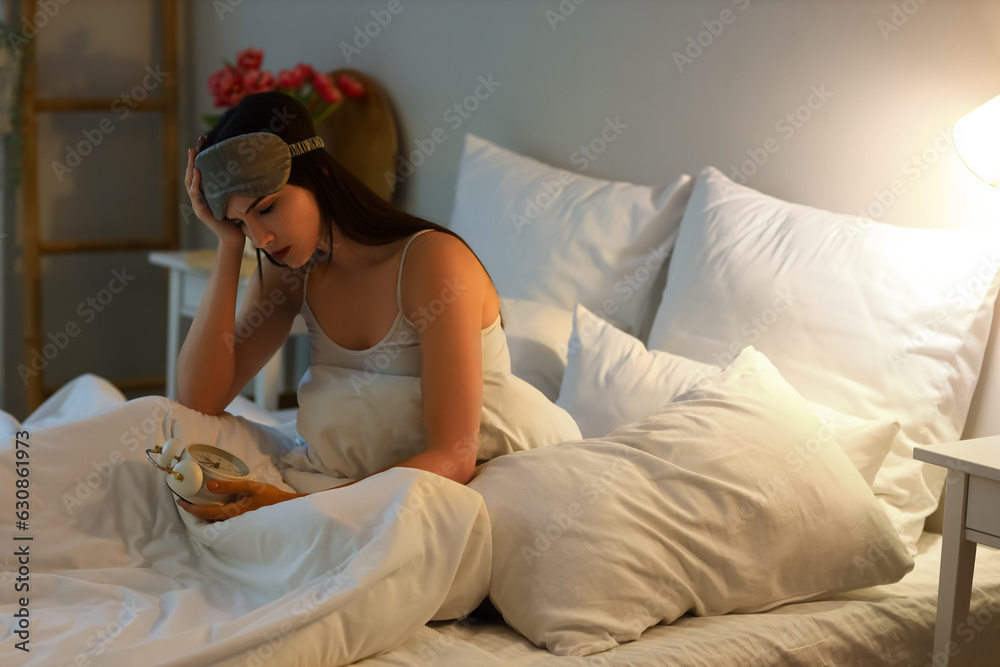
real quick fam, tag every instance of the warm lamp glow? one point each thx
(977, 140)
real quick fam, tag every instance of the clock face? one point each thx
(219, 461)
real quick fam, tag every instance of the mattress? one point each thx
(884, 625)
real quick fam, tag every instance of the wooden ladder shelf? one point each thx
(35, 247)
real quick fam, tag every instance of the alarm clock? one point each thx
(190, 468)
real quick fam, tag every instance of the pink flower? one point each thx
(264, 81)
(315, 89)
(350, 86)
(324, 86)
(250, 59)
(290, 78)
(305, 71)
(225, 86)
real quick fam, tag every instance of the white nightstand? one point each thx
(187, 285)
(971, 517)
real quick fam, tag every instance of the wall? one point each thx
(886, 81)
(889, 95)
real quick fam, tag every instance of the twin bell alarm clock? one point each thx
(191, 467)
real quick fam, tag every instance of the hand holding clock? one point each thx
(252, 495)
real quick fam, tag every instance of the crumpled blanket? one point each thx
(113, 572)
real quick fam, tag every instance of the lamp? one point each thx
(977, 141)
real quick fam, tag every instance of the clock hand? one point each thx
(209, 462)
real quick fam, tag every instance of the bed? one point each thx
(742, 490)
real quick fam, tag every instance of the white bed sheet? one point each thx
(880, 626)
(885, 625)
(117, 575)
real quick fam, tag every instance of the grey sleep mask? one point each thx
(254, 164)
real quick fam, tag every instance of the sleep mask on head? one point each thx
(255, 164)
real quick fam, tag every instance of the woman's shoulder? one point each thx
(436, 260)
(434, 245)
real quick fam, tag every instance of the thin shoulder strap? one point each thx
(399, 278)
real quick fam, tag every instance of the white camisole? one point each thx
(398, 353)
(361, 410)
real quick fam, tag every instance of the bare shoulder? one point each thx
(437, 261)
(440, 249)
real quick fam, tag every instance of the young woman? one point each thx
(335, 253)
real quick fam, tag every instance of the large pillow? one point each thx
(724, 500)
(537, 339)
(611, 379)
(557, 237)
(867, 318)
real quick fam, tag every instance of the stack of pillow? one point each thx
(643, 309)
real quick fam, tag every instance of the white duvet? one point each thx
(117, 574)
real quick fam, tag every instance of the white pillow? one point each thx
(340, 420)
(867, 318)
(723, 500)
(537, 338)
(557, 237)
(611, 379)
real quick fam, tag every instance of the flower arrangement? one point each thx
(316, 90)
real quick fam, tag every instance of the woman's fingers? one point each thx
(196, 188)
(189, 172)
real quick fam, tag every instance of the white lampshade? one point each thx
(977, 140)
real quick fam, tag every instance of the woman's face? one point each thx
(286, 224)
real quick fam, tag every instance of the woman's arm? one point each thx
(213, 364)
(442, 277)
(444, 291)
(224, 350)
(205, 365)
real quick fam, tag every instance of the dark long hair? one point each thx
(360, 214)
